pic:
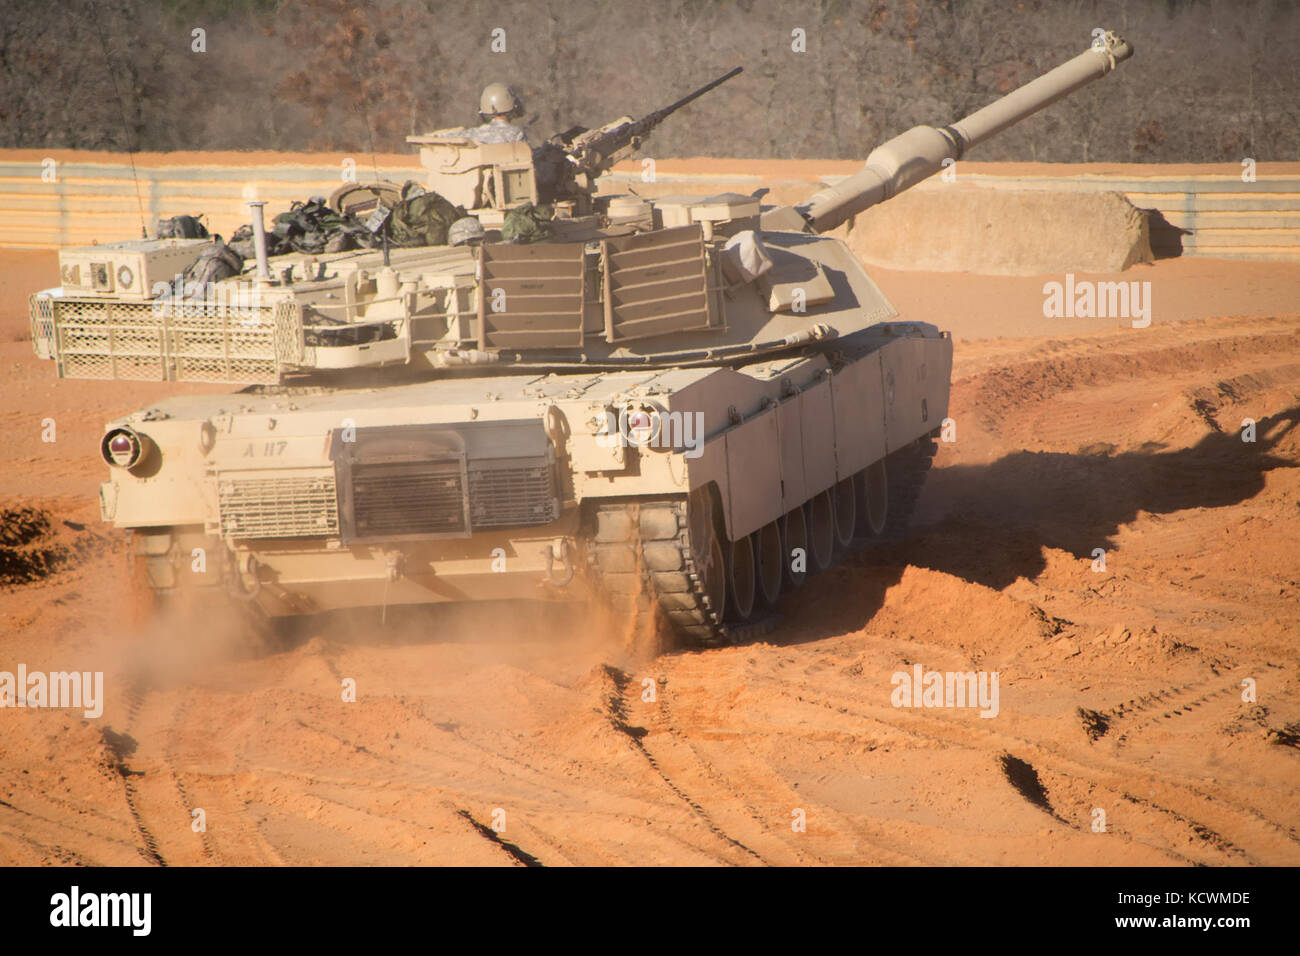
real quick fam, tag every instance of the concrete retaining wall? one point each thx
(98, 200)
(1197, 210)
(1206, 214)
(1200, 213)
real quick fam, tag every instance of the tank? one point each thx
(680, 407)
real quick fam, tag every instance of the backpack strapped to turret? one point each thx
(528, 223)
(421, 218)
(418, 218)
(217, 262)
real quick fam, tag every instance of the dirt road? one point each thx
(1121, 690)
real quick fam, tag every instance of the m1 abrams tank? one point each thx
(682, 406)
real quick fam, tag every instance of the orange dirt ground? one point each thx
(1120, 691)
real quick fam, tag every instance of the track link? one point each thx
(641, 554)
(645, 557)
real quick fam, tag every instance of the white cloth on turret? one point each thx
(744, 257)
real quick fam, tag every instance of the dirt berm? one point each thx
(958, 227)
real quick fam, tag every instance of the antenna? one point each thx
(117, 95)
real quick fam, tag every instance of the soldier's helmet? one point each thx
(465, 230)
(498, 99)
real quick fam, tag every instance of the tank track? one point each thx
(906, 470)
(642, 556)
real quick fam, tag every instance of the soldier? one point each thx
(497, 106)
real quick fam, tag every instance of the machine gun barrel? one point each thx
(658, 115)
(594, 152)
(907, 159)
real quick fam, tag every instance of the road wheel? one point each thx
(741, 578)
(794, 558)
(821, 531)
(767, 550)
(873, 499)
(846, 513)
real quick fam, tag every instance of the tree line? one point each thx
(1211, 81)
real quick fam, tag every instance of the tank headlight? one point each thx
(125, 277)
(123, 448)
(642, 426)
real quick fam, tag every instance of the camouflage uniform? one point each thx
(497, 130)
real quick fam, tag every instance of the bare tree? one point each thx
(1212, 79)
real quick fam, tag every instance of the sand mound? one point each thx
(965, 228)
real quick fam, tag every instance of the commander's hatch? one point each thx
(548, 295)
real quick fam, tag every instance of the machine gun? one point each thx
(569, 163)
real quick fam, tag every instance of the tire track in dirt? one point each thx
(1094, 776)
(1160, 706)
(161, 804)
(506, 760)
(1018, 772)
(121, 748)
(520, 857)
(1139, 776)
(732, 791)
(72, 811)
(756, 777)
(616, 712)
(1041, 755)
(209, 854)
(507, 773)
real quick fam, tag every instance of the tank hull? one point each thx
(475, 488)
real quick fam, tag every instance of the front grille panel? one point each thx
(513, 492)
(408, 498)
(444, 481)
(283, 507)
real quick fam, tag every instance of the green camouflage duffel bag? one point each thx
(421, 218)
(528, 223)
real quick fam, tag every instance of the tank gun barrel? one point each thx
(911, 157)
